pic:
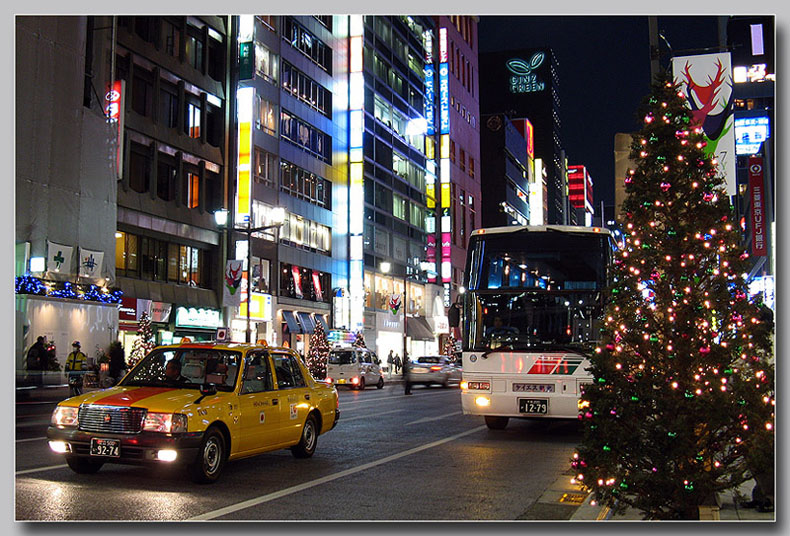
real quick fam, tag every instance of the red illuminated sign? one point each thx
(114, 110)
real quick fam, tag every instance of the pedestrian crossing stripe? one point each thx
(562, 365)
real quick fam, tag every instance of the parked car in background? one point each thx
(435, 369)
(354, 367)
(197, 404)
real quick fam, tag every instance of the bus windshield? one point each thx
(536, 290)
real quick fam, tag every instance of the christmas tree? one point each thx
(682, 402)
(359, 341)
(144, 342)
(449, 345)
(318, 354)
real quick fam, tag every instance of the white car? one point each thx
(354, 367)
(440, 369)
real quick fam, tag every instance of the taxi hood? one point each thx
(159, 399)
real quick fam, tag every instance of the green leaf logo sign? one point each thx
(523, 68)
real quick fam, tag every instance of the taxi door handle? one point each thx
(274, 401)
(307, 396)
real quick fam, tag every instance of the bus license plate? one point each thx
(533, 405)
(106, 447)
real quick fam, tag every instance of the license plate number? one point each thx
(105, 447)
(533, 405)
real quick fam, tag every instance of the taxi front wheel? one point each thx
(307, 443)
(208, 465)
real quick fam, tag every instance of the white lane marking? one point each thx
(329, 478)
(380, 398)
(369, 416)
(30, 439)
(429, 419)
(39, 469)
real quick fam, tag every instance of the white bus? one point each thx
(531, 314)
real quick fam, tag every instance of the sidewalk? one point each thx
(728, 510)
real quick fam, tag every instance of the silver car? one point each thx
(439, 369)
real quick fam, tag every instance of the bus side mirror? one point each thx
(454, 315)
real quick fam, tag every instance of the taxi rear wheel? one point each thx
(361, 384)
(211, 458)
(496, 423)
(83, 466)
(307, 443)
(380, 384)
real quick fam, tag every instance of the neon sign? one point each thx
(524, 79)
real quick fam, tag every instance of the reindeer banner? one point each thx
(231, 295)
(706, 82)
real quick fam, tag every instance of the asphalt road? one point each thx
(391, 457)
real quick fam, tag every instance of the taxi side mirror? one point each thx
(208, 389)
(454, 315)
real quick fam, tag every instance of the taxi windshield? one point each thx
(186, 368)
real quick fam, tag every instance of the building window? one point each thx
(399, 207)
(267, 117)
(452, 151)
(462, 159)
(265, 63)
(194, 48)
(265, 167)
(193, 120)
(139, 168)
(472, 167)
(306, 89)
(193, 189)
(269, 22)
(171, 35)
(168, 105)
(142, 91)
(304, 185)
(307, 43)
(305, 136)
(165, 178)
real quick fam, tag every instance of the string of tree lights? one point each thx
(682, 403)
(29, 284)
(318, 355)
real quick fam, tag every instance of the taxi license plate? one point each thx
(105, 447)
(533, 405)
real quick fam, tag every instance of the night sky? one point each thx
(604, 72)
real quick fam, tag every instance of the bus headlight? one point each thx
(483, 401)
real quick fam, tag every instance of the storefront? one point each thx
(261, 326)
(297, 325)
(389, 335)
(196, 323)
(129, 315)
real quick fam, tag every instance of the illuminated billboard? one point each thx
(750, 133)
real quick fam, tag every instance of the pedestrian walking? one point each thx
(117, 362)
(407, 376)
(398, 365)
(36, 358)
(390, 364)
(75, 367)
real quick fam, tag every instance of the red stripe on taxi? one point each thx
(130, 397)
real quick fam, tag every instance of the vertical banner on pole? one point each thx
(757, 196)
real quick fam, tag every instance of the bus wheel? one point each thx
(497, 423)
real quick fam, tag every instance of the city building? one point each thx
(460, 167)
(580, 194)
(292, 154)
(66, 183)
(506, 200)
(525, 84)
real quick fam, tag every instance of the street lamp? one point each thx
(386, 267)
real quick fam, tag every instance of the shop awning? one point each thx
(307, 322)
(322, 320)
(419, 329)
(293, 325)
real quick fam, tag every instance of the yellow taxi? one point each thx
(198, 404)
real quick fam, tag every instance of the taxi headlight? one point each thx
(169, 423)
(65, 416)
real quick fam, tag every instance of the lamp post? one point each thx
(277, 217)
(386, 267)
